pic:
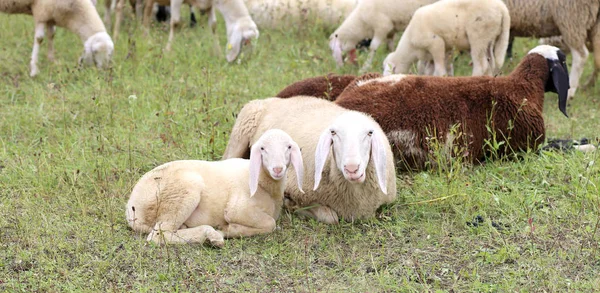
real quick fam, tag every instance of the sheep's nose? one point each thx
(351, 168)
(277, 170)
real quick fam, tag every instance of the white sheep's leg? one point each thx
(437, 49)
(107, 14)
(244, 221)
(175, 20)
(578, 62)
(322, 214)
(147, 16)
(118, 19)
(212, 20)
(37, 41)
(480, 64)
(50, 30)
(187, 236)
(375, 42)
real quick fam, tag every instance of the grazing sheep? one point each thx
(181, 201)
(481, 26)
(411, 109)
(327, 87)
(576, 22)
(240, 26)
(357, 177)
(375, 20)
(78, 16)
(274, 13)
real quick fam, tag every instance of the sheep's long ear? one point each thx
(560, 78)
(234, 44)
(296, 159)
(321, 154)
(255, 165)
(379, 159)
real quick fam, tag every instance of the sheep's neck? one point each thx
(531, 74)
(85, 21)
(273, 187)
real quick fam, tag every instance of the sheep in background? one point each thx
(575, 22)
(181, 201)
(358, 175)
(375, 20)
(274, 13)
(116, 6)
(240, 26)
(481, 26)
(78, 16)
(412, 108)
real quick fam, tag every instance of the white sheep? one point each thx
(481, 26)
(274, 13)
(351, 181)
(375, 20)
(182, 201)
(78, 16)
(240, 26)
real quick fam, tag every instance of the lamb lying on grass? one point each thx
(78, 16)
(181, 201)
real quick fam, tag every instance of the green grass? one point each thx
(74, 142)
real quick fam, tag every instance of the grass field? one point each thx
(74, 142)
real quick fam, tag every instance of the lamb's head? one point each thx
(355, 139)
(558, 81)
(339, 46)
(97, 50)
(274, 151)
(240, 34)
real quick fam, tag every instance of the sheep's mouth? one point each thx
(354, 178)
(277, 177)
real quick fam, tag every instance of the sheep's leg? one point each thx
(321, 213)
(212, 19)
(139, 9)
(175, 20)
(118, 18)
(187, 236)
(578, 62)
(596, 48)
(437, 49)
(375, 42)
(244, 225)
(50, 30)
(37, 41)
(480, 64)
(147, 15)
(107, 12)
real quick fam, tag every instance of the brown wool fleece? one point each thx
(327, 87)
(412, 108)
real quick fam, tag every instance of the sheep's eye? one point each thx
(262, 148)
(370, 132)
(289, 147)
(333, 132)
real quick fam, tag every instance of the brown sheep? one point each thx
(327, 87)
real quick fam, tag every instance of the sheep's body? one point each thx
(304, 118)
(274, 13)
(576, 22)
(479, 26)
(375, 20)
(240, 26)
(327, 87)
(412, 108)
(181, 201)
(78, 16)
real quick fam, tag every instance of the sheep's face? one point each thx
(354, 139)
(240, 35)
(338, 48)
(274, 152)
(97, 50)
(558, 81)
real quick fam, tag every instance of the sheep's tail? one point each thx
(502, 40)
(244, 129)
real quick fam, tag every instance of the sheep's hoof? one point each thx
(216, 238)
(34, 71)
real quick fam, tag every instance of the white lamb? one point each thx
(351, 181)
(181, 201)
(375, 20)
(78, 16)
(240, 26)
(481, 26)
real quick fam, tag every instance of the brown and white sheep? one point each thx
(327, 87)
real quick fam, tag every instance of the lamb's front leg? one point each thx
(318, 212)
(248, 224)
(50, 30)
(37, 41)
(175, 20)
(188, 236)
